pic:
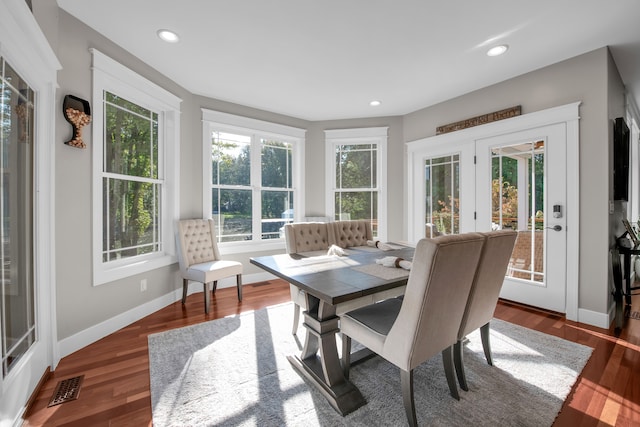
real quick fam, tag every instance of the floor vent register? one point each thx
(66, 390)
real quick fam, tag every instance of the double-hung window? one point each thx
(252, 179)
(136, 127)
(356, 176)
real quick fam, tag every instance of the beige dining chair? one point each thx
(199, 258)
(484, 293)
(425, 322)
(304, 237)
(351, 233)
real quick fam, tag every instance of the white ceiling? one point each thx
(326, 59)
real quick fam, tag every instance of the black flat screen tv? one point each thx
(620, 160)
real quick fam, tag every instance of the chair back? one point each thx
(487, 284)
(437, 290)
(302, 237)
(350, 233)
(196, 242)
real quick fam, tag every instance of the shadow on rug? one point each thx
(234, 372)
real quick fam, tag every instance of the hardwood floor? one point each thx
(115, 391)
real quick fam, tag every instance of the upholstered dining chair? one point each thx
(199, 258)
(350, 233)
(425, 322)
(484, 293)
(304, 237)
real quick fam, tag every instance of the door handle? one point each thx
(555, 228)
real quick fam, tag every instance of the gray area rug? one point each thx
(234, 372)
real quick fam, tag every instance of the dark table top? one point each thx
(335, 279)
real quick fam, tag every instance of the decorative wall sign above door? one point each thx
(507, 113)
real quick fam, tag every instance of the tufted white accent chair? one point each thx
(199, 258)
(348, 234)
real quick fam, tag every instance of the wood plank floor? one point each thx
(116, 392)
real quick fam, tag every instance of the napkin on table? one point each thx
(378, 244)
(396, 262)
(336, 250)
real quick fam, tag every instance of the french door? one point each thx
(521, 185)
(500, 180)
(28, 341)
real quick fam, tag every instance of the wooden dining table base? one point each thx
(324, 370)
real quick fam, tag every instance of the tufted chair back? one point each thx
(196, 242)
(306, 237)
(350, 233)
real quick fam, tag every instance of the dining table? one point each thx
(329, 281)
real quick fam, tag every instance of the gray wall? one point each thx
(585, 78)
(80, 305)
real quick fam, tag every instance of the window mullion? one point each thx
(256, 185)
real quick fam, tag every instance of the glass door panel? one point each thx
(17, 318)
(442, 195)
(517, 196)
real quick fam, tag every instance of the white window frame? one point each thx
(111, 76)
(375, 136)
(216, 121)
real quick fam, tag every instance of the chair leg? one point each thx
(447, 360)
(215, 286)
(296, 318)
(457, 359)
(406, 380)
(207, 298)
(346, 355)
(486, 345)
(185, 286)
(239, 284)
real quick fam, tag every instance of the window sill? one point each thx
(251, 246)
(109, 273)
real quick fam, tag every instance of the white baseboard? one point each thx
(94, 333)
(594, 318)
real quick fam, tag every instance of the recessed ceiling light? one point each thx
(375, 103)
(168, 36)
(497, 50)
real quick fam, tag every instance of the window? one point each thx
(252, 176)
(135, 172)
(356, 176)
(442, 195)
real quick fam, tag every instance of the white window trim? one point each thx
(112, 76)
(374, 135)
(225, 122)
